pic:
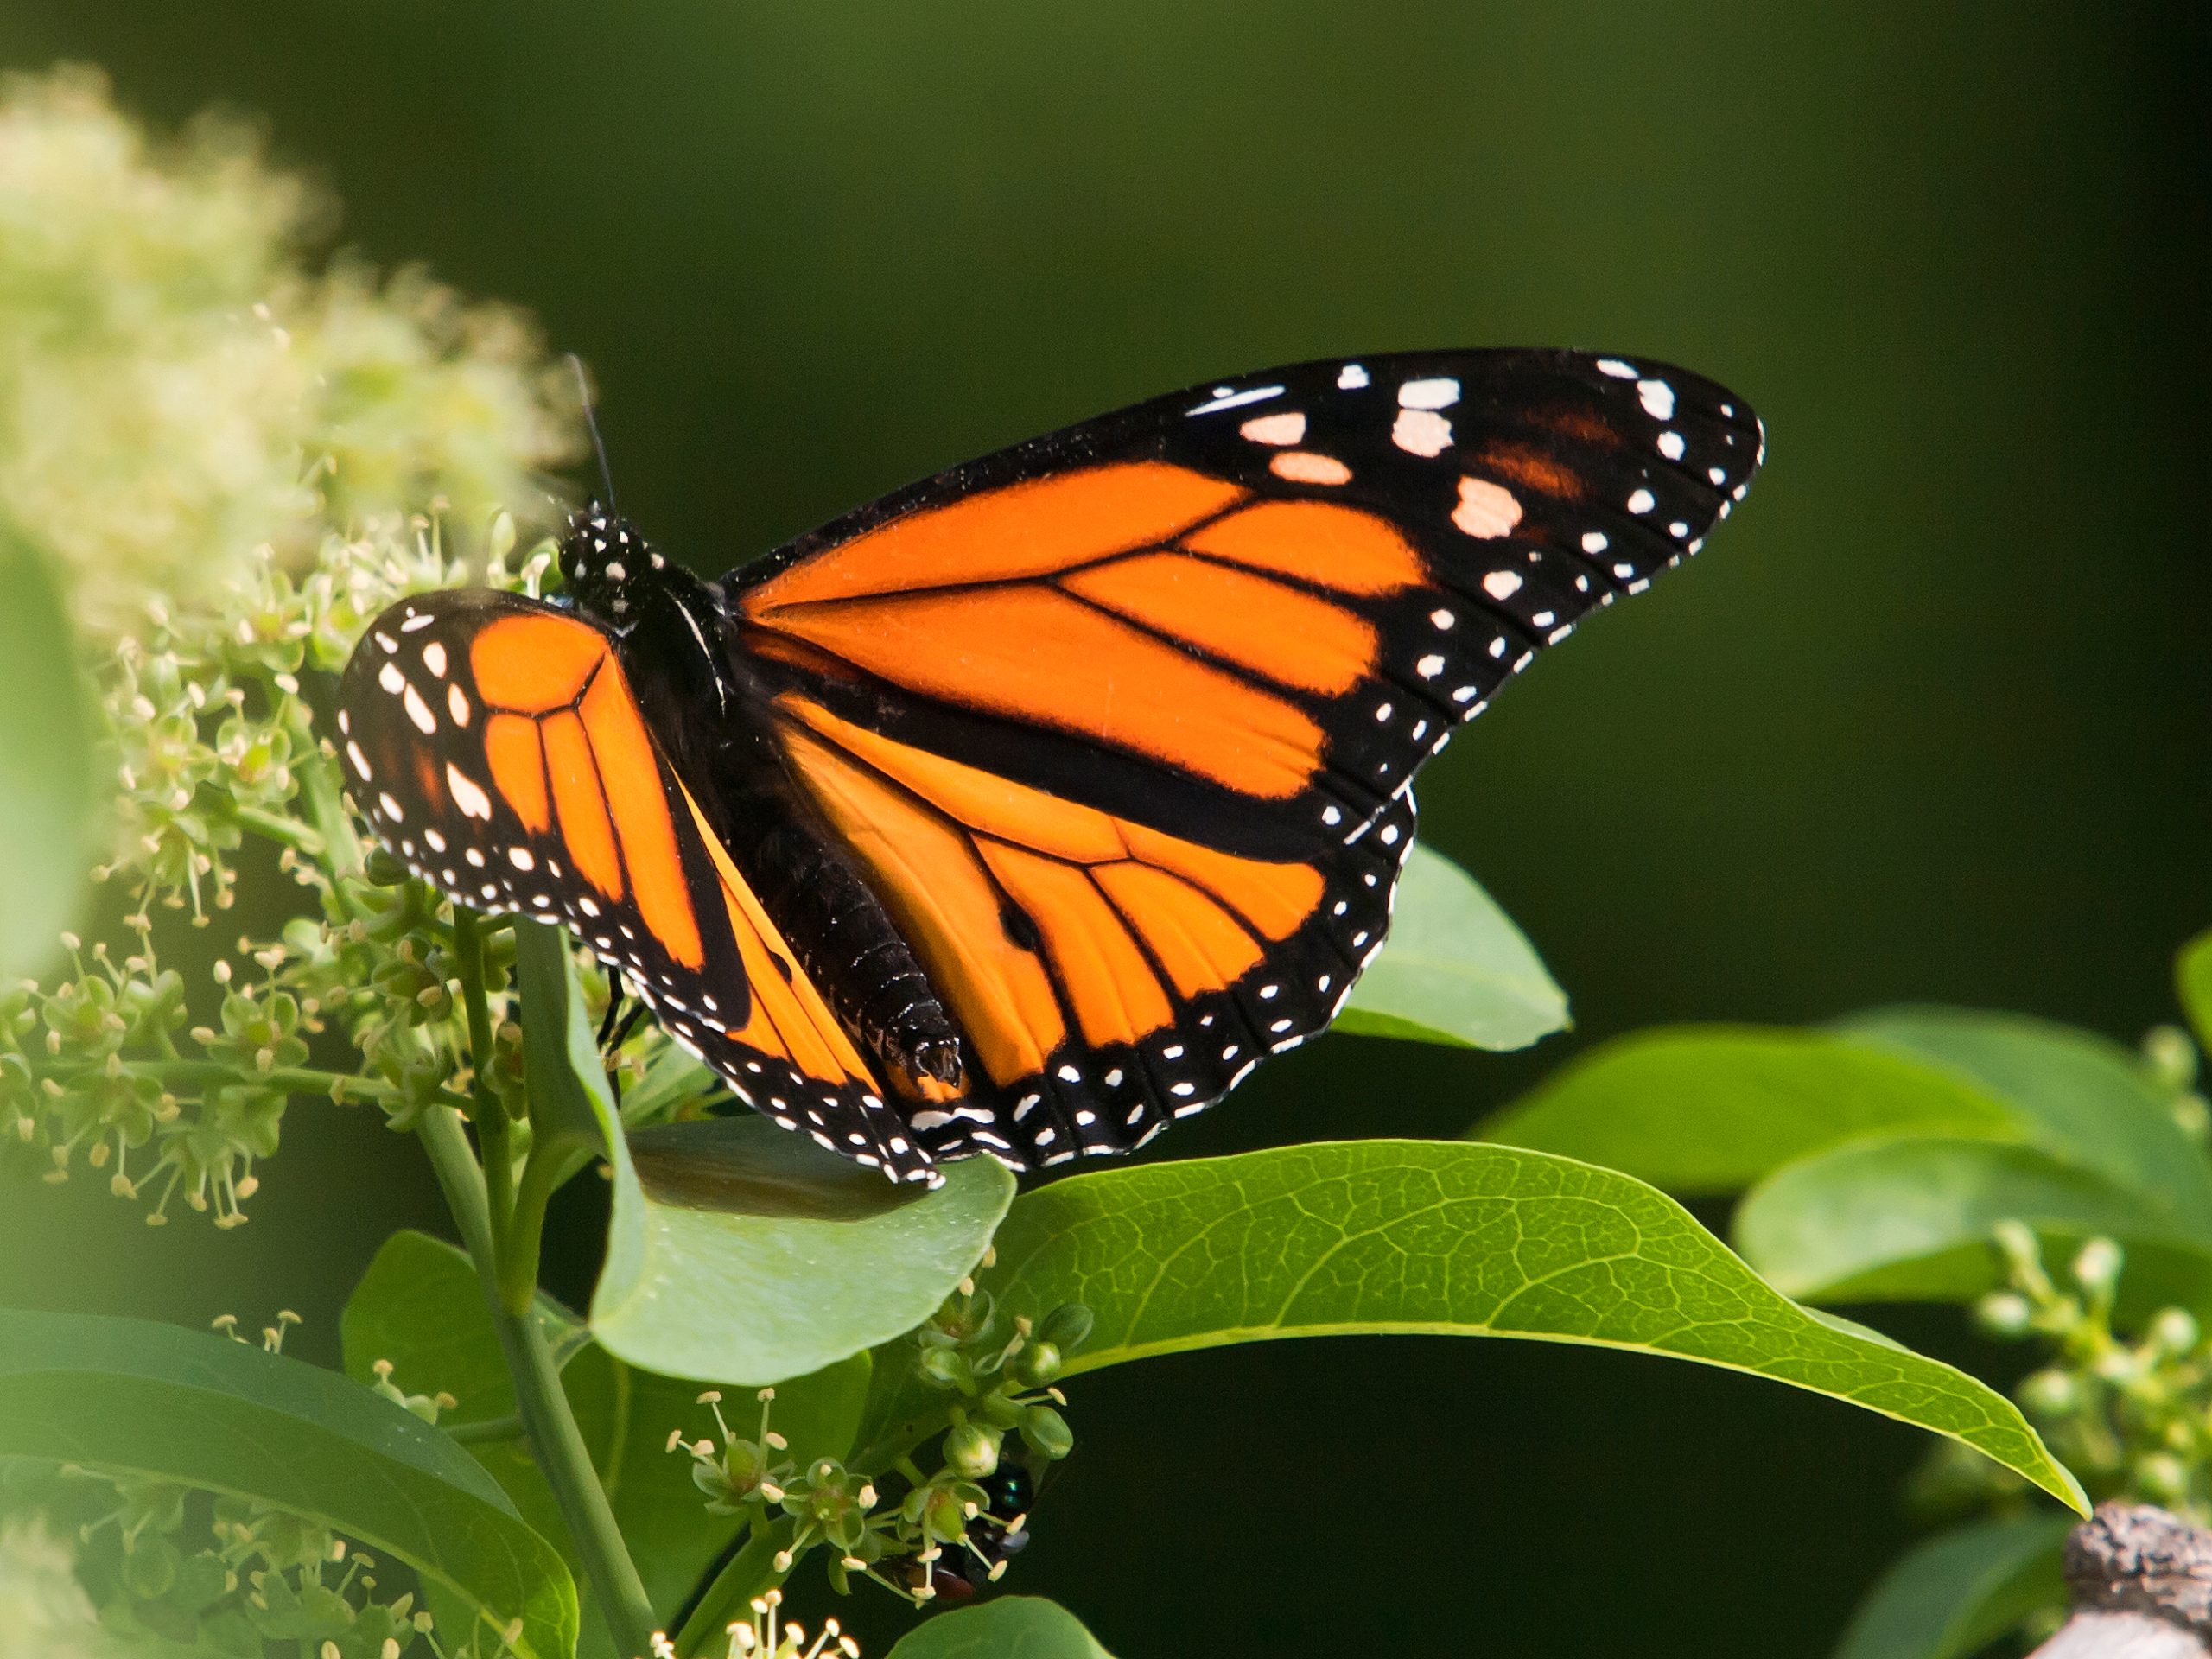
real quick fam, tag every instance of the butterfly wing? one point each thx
(1123, 721)
(502, 757)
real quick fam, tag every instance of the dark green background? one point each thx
(1926, 721)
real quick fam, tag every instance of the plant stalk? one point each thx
(555, 1440)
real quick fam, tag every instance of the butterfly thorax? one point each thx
(709, 711)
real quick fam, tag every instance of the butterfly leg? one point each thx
(614, 1030)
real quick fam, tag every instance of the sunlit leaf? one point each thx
(1954, 1594)
(48, 806)
(419, 1307)
(1010, 1627)
(1454, 968)
(1913, 1221)
(1711, 1108)
(134, 1397)
(2092, 1101)
(1448, 1238)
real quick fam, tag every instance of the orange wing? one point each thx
(1123, 722)
(502, 757)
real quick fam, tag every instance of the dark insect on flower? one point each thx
(994, 1537)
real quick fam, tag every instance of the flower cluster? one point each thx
(2129, 1413)
(917, 1534)
(173, 1088)
(181, 383)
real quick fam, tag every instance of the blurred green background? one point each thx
(1927, 720)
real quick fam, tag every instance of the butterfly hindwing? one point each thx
(1124, 720)
(500, 752)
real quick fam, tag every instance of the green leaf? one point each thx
(1010, 1627)
(1454, 1239)
(49, 805)
(1454, 969)
(738, 1250)
(2090, 1101)
(570, 1104)
(419, 1306)
(130, 1396)
(2193, 983)
(1711, 1108)
(1912, 1221)
(1954, 1594)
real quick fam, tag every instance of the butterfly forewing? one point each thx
(1124, 720)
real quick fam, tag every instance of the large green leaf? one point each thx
(130, 1396)
(419, 1307)
(1454, 969)
(1959, 1590)
(1711, 1108)
(737, 1249)
(1453, 1239)
(2092, 1103)
(1912, 1221)
(1010, 1627)
(49, 804)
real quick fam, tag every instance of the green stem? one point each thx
(488, 1112)
(542, 1174)
(555, 1440)
(289, 832)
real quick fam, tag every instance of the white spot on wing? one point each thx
(1502, 584)
(1285, 427)
(1440, 393)
(1657, 398)
(1421, 432)
(1351, 378)
(1615, 367)
(1236, 399)
(1486, 510)
(434, 658)
(1643, 501)
(1304, 467)
(467, 795)
(418, 711)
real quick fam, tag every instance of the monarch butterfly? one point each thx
(1026, 808)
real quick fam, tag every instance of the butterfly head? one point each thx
(604, 562)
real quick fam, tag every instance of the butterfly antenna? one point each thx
(591, 425)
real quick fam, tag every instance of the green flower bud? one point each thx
(1067, 1327)
(2170, 1056)
(382, 869)
(946, 1368)
(972, 1450)
(1047, 1431)
(2051, 1393)
(1038, 1363)
(2096, 1269)
(2174, 1330)
(149, 1570)
(2004, 1313)
(2162, 1476)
